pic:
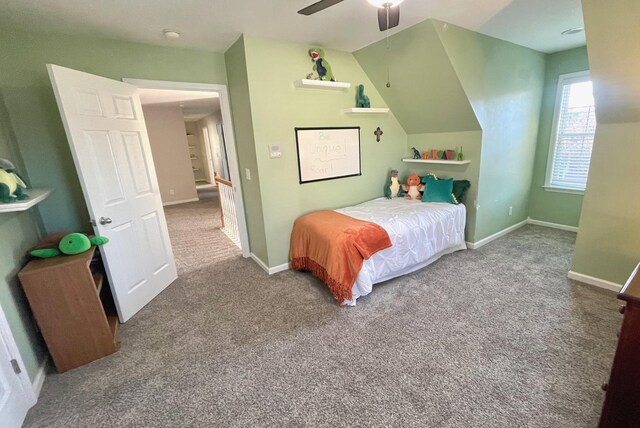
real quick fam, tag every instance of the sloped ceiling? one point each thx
(614, 59)
(425, 93)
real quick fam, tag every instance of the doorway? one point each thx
(106, 131)
(210, 147)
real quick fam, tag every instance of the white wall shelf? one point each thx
(35, 197)
(322, 84)
(440, 161)
(370, 110)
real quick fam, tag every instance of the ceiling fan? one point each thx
(388, 11)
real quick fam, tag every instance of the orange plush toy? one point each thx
(413, 187)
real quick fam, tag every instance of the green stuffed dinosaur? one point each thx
(11, 184)
(320, 65)
(70, 244)
(392, 187)
(362, 101)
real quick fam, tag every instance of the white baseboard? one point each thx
(480, 243)
(38, 380)
(597, 282)
(485, 241)
(279, 268)
(183, 201)
(553, 225)
(267, 269)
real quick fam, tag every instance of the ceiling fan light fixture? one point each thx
(385, 3)
(171, 35)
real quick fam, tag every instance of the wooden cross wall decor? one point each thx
(378, 132)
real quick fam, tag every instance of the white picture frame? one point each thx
(328, 153)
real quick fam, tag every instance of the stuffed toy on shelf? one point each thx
(413, 187)
(66, 243)
(11, 184)
(321, 65)
(362, 101)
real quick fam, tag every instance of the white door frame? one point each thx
(7, 337)
(225, 110)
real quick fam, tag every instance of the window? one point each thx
(574, 126)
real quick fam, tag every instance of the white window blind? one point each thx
(572, 136)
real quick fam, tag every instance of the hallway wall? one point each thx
(168, 139)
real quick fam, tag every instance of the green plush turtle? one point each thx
(70, 244)
(11, 184)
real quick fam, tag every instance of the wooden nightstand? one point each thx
(75, 314)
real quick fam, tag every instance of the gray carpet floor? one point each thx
(196, 239)
(494, 337)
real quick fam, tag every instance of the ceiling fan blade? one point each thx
(393, 19)
(318, 6)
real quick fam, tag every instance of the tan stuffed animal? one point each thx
(413, 187)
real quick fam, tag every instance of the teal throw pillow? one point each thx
(438, 190)
(460, 187)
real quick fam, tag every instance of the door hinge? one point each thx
(16, 366)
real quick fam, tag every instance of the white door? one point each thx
(110, 147)
(15, 399)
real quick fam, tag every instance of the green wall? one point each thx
(504, 84)
(607, 246)
(18, 233)
(429, 101)
(471, 143)
(485, 94)
(277, 108)
(554, 207)
(34, 114)
(425, 93)
(236, 61)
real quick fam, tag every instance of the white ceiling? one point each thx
(195, 105)
(215, 24)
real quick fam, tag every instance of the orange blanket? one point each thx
(333, 247)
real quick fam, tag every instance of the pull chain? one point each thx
(387, 37)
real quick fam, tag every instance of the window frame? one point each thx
(563, 79)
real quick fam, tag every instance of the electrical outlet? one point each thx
(247, 173)
(510, 210)
(172, 192)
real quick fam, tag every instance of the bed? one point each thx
(420, 233)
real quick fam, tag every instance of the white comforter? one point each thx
(421, 232)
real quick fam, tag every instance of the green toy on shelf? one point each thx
(362, 101)
(69, 244)
(321, 65)
(11, 184)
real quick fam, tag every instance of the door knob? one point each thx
(105, 220)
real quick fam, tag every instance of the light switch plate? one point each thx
(247, 173)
